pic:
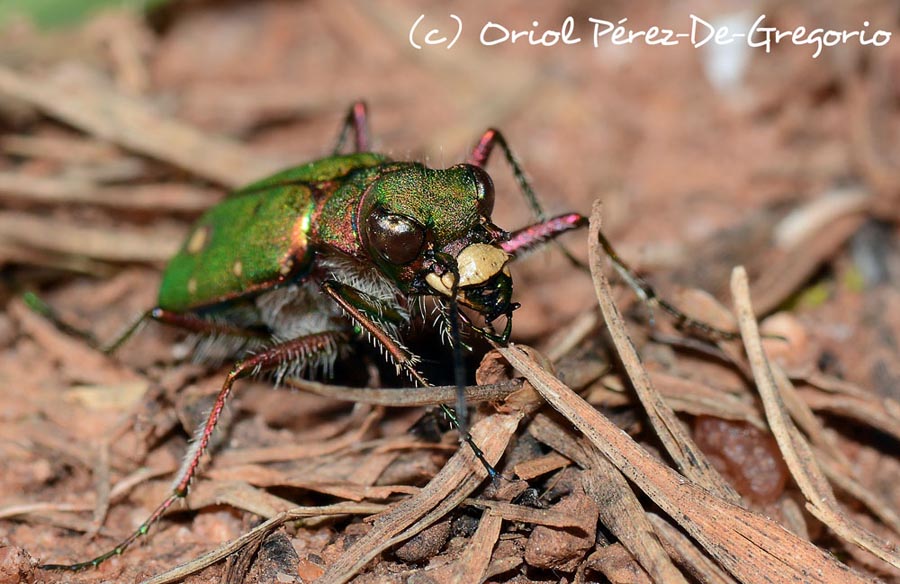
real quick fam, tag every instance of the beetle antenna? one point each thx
(459, 367)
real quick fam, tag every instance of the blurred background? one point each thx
(121, 121)
(679, 142)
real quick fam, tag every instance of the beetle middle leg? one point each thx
(479, 157)
(482, 152)
(185, 321)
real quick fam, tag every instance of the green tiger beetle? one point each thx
(290, 269)
(297, 264)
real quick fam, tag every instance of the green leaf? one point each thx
(49, 13)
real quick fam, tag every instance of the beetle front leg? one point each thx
(357, 119)
(648, 295)
(527, 239)
(365, 311)
(531, 237)
(304, 348)
(479, 157)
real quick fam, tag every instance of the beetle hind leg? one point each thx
(309, 347)
(357, 119)
(305, 349)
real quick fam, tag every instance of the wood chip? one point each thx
(406, 397)
(553, 548)
(754, 549)
(622, 514)
(179, 573)
(473, 565)
(519, 513)
(673, 435)
(797, 453)
(683, 551)
(541, 465)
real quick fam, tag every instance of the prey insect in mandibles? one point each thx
(299, 263)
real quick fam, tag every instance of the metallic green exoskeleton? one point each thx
(358, 219)
(295, 265)
(258, 238)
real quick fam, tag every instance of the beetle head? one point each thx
(430, 231)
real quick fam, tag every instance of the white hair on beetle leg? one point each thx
(192, 451)
(196, 441)
(305, 363)
(441, 313)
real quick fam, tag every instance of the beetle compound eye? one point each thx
(398, 239)
(484, 188)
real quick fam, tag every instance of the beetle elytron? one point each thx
(297, 263)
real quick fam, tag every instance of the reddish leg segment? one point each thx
(302, 349)
(358, 120)
(479, 157)
(528, 238)
(186, 321)
(355, 304)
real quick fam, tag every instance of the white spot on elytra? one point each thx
(198, 239)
